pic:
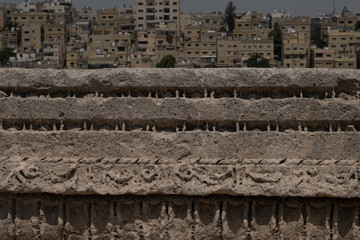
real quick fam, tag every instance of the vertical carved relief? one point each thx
(291, 222)
(100, 219)
(346, 222)
(234, 220)
(207, 218)
(27, 222)
(263, 223)
(181, 222)
(6, 226)
(317, 223)
(78, 215)
(51, 216)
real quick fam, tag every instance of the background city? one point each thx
(158, 33)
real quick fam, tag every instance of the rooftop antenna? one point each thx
(334, 7)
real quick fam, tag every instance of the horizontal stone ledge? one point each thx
(182, 179)
(185, 145)
(197, 161)
(180, 109)
(217, 78)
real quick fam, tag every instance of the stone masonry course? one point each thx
(179, 154)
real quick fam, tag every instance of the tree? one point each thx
(321, 43)
(257, 61)
(9, 25)
(5, 54)
(276, 35)
(168, 61)
(229, 16)
(211, 65)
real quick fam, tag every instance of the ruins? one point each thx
(180, 154)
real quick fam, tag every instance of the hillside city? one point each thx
(155, 33)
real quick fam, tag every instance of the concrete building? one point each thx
(142, 63)
(200, 44)
(30, 18)
(150, 13)
(346, 62)
(79, 32)
(87, 13)
(54, 54)
(10, 39)
(62, 10)
(166, 44)
(116, 20)
(145, 44)
(31, 38)
(251, 20)
(251, 34)
(26, 6)
(322, 58)
(5, 11)
(295, 50)
(232, 53)
(251, 26)
(345, 44)
(298, 25)
(26, 61)
(55, 31)
(72, 58)
(276, 16)
(209, 19)
(112, 45)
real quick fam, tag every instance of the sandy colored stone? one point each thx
(179, 154)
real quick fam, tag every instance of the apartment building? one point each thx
(87, 13)
(295, 50)
(210, 19)
(251, 20)
(200, 44)
(298, 25)
(251, 34)
(30, 18)
(116, 45)
(31, 38)
(326, 26)
(294, 55)
(108, 19)
(72, 58)
(145, 47)
(5, 10)
(322, 58)
(165, 45)
(251, 26)
(54, 54)
(26, 7)
(150, 13)
(62, 10)
(10, 39)
(347, 22)
(232, 53)
(55, 31)
(346, 62)
(344, 43)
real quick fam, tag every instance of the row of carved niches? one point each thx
(249, 93)
(179, 126)
(176, 217)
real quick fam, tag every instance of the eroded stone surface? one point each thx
(126, 154)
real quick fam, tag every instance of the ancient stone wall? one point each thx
(179, 154)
